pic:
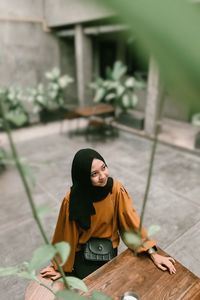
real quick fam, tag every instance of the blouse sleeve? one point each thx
(66, 231)
(129, 220)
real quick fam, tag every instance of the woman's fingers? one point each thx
(161, 267)
(170, 265)
(55, 277)
(164, 263)
(172, 260)
(50, 272)
(47, 269)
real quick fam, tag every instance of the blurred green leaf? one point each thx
(1, 123)
(133, 240)
(153, 229)
(169, 31)
(130, 82)
(134, 100)
(76, 283)
(21, 271)
(99, 95)
(7, 271)
(126, 101)
(196, 119)
(120, 90)
(27, 275)
(28, 172)
(17, 119)
(69, 295)
(110, 97)
(41, 256)
(64, 250)
(118, 71)
(64, 81)
(100, 296)
(43, 210)
(3, 154)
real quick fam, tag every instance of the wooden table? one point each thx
(94, 110)
(127, 272)
(138, 274)
(97, 116)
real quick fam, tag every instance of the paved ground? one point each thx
(173, 200)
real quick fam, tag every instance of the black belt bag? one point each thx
(97, 249)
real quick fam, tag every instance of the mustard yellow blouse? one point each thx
(114, 215)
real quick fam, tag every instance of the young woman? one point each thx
(97, 206)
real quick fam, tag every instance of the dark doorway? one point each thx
(137, 62)
(107, 55)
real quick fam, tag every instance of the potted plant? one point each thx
(196, 122)
(16, 112)
(38, 98)
(49, 101)
(119, 90)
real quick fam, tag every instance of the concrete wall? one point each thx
(27, 50)
(26, 53)
(29, 9)
(66, 12)
(173, 108)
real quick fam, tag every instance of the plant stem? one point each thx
(20, 170)
(46, 286)
(152, 158)
(26, 186)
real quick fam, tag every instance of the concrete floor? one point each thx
(174, 198)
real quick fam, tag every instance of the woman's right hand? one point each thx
(50, 272)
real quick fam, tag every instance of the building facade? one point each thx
(82, 38)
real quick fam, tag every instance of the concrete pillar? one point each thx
(83, 54)
(96, 69)
(154, 93)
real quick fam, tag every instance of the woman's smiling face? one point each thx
(99, 173)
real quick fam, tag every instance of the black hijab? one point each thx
(83, 193)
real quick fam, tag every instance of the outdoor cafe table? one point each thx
(138, 274)
(94, 110)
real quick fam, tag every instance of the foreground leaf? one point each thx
(174, 43)
(41, 256)
(153, 229)
(28, 173)
(9, 271)
(76, 283)
(69, 295)
(64, 250)
(133, 240)
(100, 296)
(43, 210)
(27, 275)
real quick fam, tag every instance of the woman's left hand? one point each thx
(164, 263)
